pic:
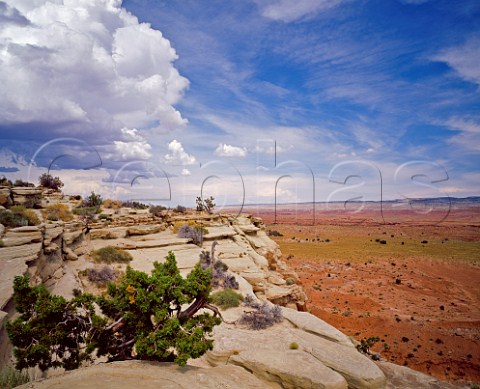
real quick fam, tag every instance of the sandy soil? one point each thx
(419, 292)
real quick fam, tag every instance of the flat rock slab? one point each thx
(187, 256)
(312, 324)
(151, 375)
(289, 369)
(359, 371)
(400, 377)
(219, 232)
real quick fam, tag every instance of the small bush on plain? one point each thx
(112, 204)
(110, 254)
(226, 298)
(180, 209)
(12, 220)
(157, 210)
(134, 204)
(294, 346)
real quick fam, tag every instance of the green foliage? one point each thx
(5, 182)
(12, 220)
(142, 319)
(18, 216)
(110, 254)
(11, 378)
(93, 200)
(205, 204)
(2, 243)
(86, 211)
(290, 281)
(48, 181)
(226, 298)
(22, 183)
(294, 346)
(134, 205)
(367, 343)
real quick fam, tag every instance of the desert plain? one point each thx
(407, 277)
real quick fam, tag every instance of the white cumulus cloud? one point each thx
(88, 68)
(177, 154)
(224, 150)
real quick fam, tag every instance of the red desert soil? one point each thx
(418, 291)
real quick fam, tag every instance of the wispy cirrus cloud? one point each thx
(289, 11)
(464, 59)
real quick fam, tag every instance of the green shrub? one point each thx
(29, 214)
(155, 316)
(12, 220)
(290, 281)
(2, 243)
(86, 211)
(294, 346)
(226, 298)
(11, 378)
(93, 200)
(111, 254)
(48, 181)
(274, 233)
(103, 216)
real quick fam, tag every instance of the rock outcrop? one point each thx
(300, 352)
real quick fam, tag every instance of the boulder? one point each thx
(72, 236)
(289, 369)
(69, 254)
(52, 231)
(51, 248)
(312, 324)
(152, 375)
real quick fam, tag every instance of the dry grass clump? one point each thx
(110, 254)
(58, 212)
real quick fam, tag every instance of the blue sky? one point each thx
(341, 94)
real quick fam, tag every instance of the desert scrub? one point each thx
(290, 281)
(58, 212)
(262, 315)
(226, 298)
(110, 254)
(294, 346)
(28, 214)
(112, 204)
(274, 233)
(195, 233)
(220, 275)
(2, 243)
(101, 277)
(10, 378)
